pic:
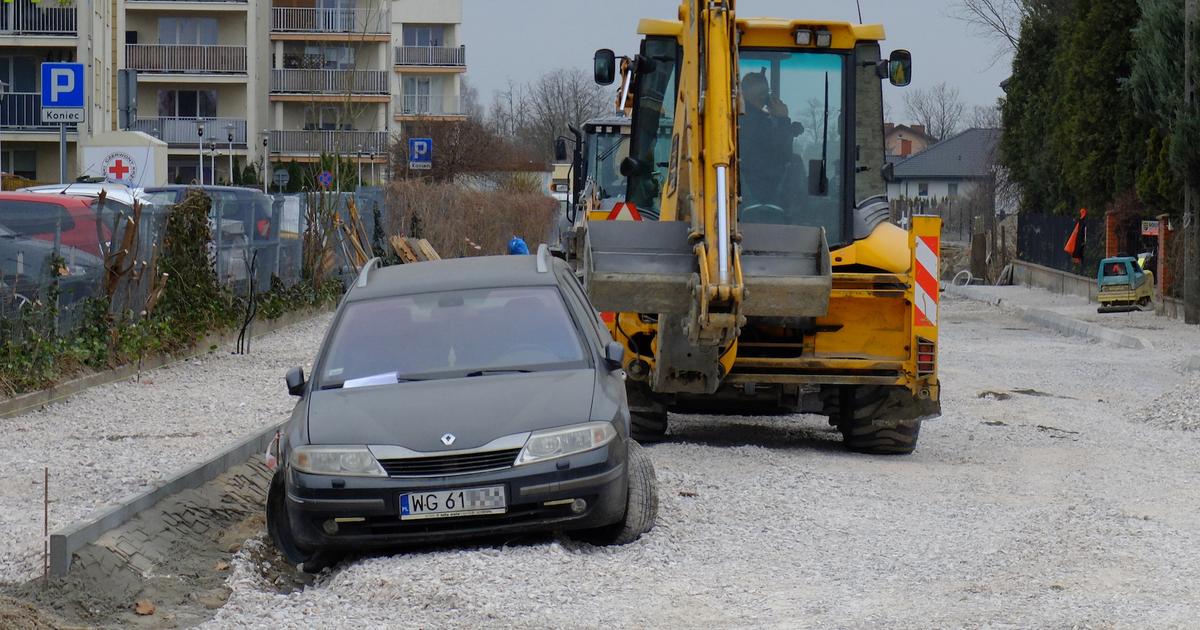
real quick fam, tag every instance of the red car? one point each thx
(38, 216)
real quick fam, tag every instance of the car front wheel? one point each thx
(279, 528)
(641, 504)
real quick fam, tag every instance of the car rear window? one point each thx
(452, 334)
(30, 218)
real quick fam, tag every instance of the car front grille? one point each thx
(440, 465)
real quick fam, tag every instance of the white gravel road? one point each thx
(116, 440)
(1038, 500)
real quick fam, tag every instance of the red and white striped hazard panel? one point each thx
(925, 293)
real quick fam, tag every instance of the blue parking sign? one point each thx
(420, 153)
(62, 92)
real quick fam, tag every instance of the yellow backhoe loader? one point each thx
(760, 272)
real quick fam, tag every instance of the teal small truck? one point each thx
(1124, 285)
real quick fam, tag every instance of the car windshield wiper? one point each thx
(498, 371)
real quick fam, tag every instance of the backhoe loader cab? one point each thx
(763, 272)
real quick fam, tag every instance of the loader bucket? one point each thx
(647, 267)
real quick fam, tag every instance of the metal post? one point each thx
(266, 159)
(230, 128)
(200, 152)
(1191, 269)
(62, 153)
(358, 163)
(3, 88)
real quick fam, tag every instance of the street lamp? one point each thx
(373, 179)
(358, 162)
(3, 89)
(229, 128)
(200, 152)
(266, 135)
(212, 161)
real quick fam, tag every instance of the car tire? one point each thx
(279, 528)
(882, 420)
(648, 426)
(641, 504)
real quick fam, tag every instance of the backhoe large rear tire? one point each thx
(882, 420)
(648, 426)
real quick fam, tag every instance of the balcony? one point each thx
(318, 142)
(352, 21)
(444, 56)
(182, 131)
(425, 105)
(22, 111)
(192, 59)
(329, 82)
(24, 17)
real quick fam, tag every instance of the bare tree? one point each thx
(470, 100)
(998, 20)
(533, 115)
(986, 117)
(939, 108)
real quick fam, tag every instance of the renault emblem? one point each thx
(448, 439)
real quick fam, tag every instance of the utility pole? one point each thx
(1191, 267)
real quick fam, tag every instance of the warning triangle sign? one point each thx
(624, 211)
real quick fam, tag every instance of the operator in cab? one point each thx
(764, 141)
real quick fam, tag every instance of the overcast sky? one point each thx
(521, 39)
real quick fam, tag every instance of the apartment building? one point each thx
(226, 82)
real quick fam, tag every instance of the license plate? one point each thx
(451, 503)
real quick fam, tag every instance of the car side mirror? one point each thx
(614, 356)
(604, 66)
(560, 150)
(899, 68)
(295, 381)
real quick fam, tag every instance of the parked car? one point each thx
(40, 216)
(459, 398)
(239, 218)
(26, 263)
(119, 199)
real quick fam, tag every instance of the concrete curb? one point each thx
(34, 400)
(1059, 323)
(66, 541)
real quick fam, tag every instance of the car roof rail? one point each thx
(543, 258)
(365, 274)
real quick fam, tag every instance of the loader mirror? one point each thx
(632, 166)
(889, 172)
(560, 149)
(614, 356)
(899, 68)
(604, 66)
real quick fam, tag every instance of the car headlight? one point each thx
(351, 461)
(554, 443)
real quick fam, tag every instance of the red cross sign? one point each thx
(118, 169)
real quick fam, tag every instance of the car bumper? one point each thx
(365, 512)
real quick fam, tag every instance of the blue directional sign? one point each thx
(420, 154)
(62, 92)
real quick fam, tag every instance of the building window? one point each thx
(423, 35)
(187, 103)
(326, 118)
(329, 57)
(922, 189)
(422, 95)
(952, 190)
(187, 31)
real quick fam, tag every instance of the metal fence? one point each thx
(302, 81)
(1042, 238)
(22, 111)
(431, 55)
(428, 105)
(304, 20)
(185, 131)
(320, 142)
(28, 17)
(186, 58)
(257, 242)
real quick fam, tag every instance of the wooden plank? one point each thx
(402, 249)
(428, 250)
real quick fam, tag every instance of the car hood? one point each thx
(476, 410)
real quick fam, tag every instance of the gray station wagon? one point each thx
(454, 399)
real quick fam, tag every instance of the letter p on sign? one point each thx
(62, 81)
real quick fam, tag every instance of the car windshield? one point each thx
(450, 335)
(790, 133)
